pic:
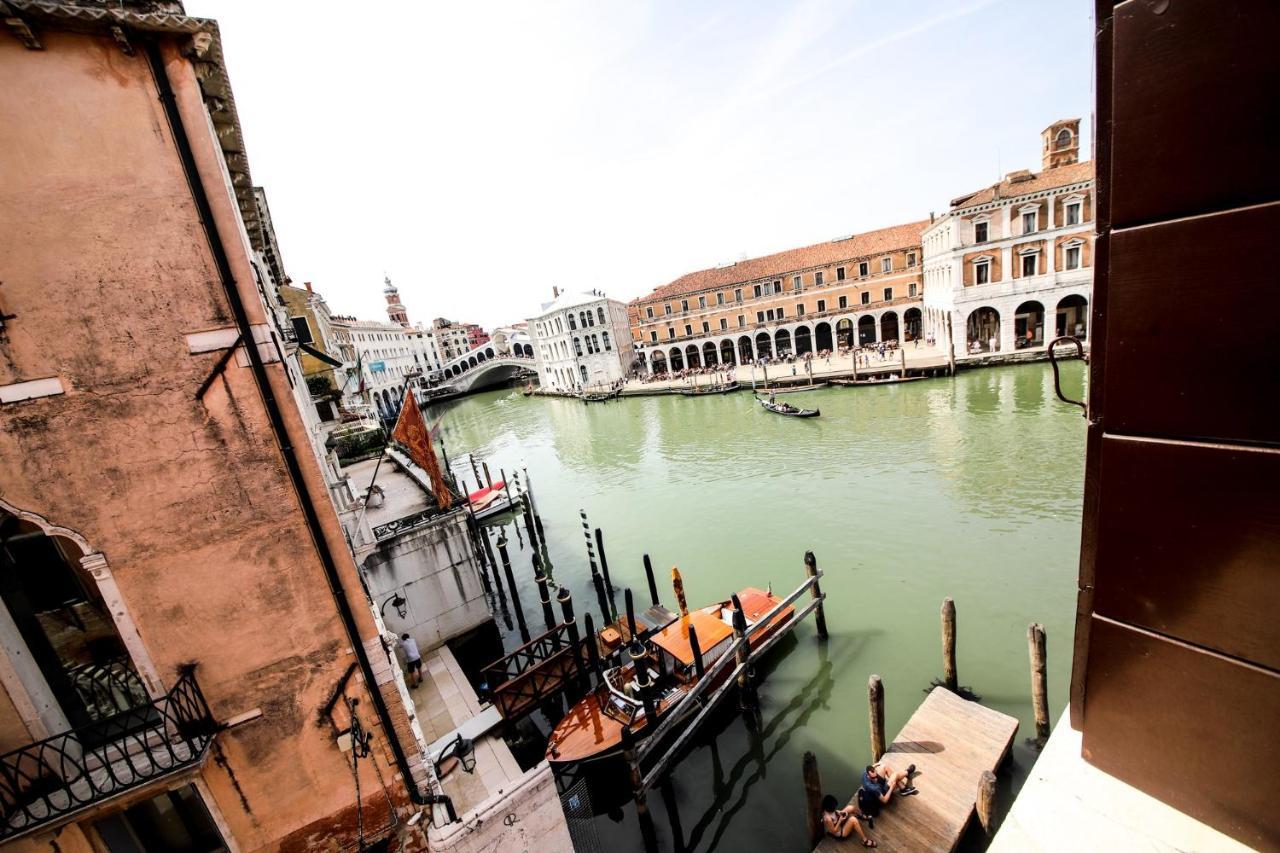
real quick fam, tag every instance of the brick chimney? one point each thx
(307, 285)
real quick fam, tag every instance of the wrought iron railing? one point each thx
(108, 689)
(409, 522)
(63, 774)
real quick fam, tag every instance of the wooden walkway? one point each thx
(950, 741)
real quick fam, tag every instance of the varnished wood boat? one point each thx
(788, 410)
(599, 396)
(707, 390)
(882, 380)
(795, 389)
(593, 727)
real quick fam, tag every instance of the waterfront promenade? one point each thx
(821, 368)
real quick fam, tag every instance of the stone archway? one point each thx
(709, 355)
(691, 356)
(745, 353)
(803, 340)
(982, 330)
(726, 353)
(658, 363)
(783, 341)
(1073, 316)
(844, 333)
(822, 337)
(677, 359)
(913, 320)
(866, 330)
(1028, 325)
(75, 678)
(764, 345)
(889, 326)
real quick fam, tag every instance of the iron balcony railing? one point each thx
(50, 779)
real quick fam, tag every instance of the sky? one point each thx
(481, 153)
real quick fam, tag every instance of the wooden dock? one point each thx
(951, 741)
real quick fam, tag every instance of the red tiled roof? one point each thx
(1048, 179)
(858, 246)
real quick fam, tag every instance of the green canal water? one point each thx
(968, 487)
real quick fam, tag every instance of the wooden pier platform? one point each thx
(951, 741)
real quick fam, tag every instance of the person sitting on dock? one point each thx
(878, 785)
(841, 823)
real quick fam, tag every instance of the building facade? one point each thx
(1010, 267)
(452, 339)
(854, 290)
(581, 341)
(166, 525)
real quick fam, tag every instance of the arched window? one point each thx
(607, 346)
(577, 346)
(1064, 138)
(572, 327)
(583, 369)
(600, 311)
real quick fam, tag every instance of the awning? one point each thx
(315, 353)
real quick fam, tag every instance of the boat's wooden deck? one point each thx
(950, 741)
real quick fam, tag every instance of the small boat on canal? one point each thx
(599, 396)
(593, 727)
(789, 410)
(708, 390)
(795, 389)
(490, 500)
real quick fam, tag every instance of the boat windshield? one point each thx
(613, 699)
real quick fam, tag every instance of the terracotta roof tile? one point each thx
(1038, 182)
(871, 243)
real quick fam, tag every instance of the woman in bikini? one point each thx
(841, 823)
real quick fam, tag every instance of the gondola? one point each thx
(593, 727)
(707, 390)
(788, 410)
(599, 396)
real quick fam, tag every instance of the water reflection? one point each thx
(966, 487)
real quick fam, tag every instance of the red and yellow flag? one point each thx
(411, 431)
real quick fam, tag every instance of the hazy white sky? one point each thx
(480, 152)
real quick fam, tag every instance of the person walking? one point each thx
(412, 659)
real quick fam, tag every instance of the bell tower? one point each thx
(395, 308)
(1060, 144)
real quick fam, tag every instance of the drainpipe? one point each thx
(272, 406)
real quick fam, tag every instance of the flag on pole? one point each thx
(411, 431)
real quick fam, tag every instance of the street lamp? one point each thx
(397, 601)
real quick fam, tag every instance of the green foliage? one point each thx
(360, 444)
(320, 385)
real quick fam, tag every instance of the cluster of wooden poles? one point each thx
(985, 802)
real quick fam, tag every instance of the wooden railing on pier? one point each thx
(535, 672)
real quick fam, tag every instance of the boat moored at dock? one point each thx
(672, 665)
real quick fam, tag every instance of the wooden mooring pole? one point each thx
(653, 586)
(633, 766)
(695, 647)
(533, 506)
(511, 582)
(875, 700)
(743, 655)
(544, 593)
(488, 481)
(593, 647)
(949, 677)
(1039, 684)
(812, 799)
(986, 802)
(604, 572)
(820, 617)
(566, 609)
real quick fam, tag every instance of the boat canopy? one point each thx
(674, 639)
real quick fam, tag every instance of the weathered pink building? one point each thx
(185, 638)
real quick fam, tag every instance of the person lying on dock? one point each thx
(841, 823)
(878, 785)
